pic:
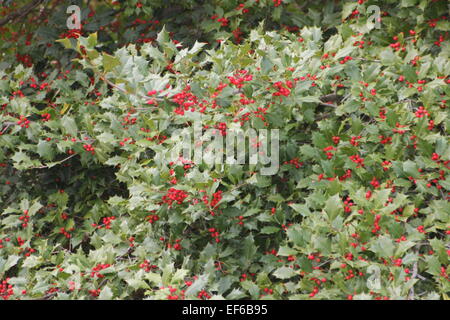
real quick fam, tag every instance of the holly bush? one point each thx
(92, 208)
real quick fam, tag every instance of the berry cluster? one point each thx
(421, 111)
(217, 196)
(6, 289)
(174, 195)
(106, 223)
(23, 122)
(152, 218)
(239, 78)
(295, 162)
(281, 89)
(24, 218)
(147, 266)
(327, 151)
(215, 234)
(89, 148)
(358, 160)
(96, 270)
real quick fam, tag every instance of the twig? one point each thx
(421, 277)
(364, 59)
(47, 296)
(8, 124)
(327, 105)
(128, 93)
(325, 262)
(331, 97)
(346, 97)
(58, 162)
(414, 275)
(103, 282)
(239, 185)
(20, 13)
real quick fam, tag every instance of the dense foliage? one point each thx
(359, 208)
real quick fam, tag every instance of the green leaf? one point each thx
(69, 126)
(300, 208)
(137, 284)
(383, 247)
(285, 251)
(10, 262)
(270, 230)
(251, 287)
(45, 150)
(163, 37)
(348, 8)
(408, 3)
(109, 62)
(387, 57)
(284, 273)
(105, 293)
(92, 40)
(197, 286)
(295, 235)
(65, 42)
(333, 206)
(410, 168)
(179, 275)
